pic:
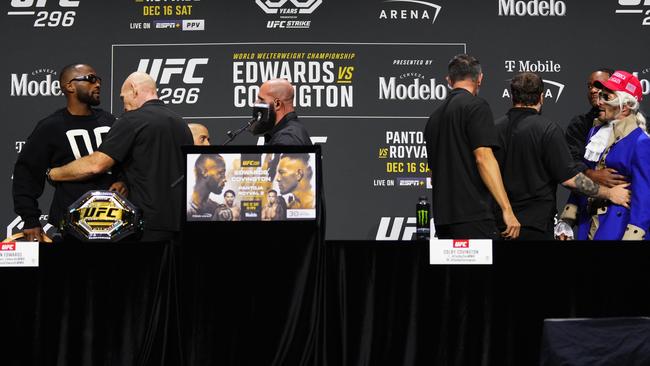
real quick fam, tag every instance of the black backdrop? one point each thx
(358, 57)
(223, 302)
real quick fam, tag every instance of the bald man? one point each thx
(200, 134)
(147, 142)
(284, 128)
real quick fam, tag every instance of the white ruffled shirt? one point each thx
(598, 142)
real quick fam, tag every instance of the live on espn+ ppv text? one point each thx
(366, 79)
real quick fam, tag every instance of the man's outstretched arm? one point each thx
(82, 168)
(619, 194)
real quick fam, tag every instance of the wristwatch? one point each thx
(47, 175)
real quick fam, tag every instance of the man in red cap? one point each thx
(620, 143)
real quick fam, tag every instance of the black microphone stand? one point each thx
(232, 135)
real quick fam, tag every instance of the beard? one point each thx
(215, 186)
(265, 124)
(89, 98)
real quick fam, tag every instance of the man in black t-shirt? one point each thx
(465, 176)
(147, 141)
(578, 129)
(65, 135)
(282, 126)
(534, 159)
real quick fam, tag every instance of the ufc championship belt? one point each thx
(102, 216)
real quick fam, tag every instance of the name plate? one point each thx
(19, 254)
(460, 251)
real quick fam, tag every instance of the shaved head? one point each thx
(70, 71)
(200, 134)
(278, 94)
(142, 81)
(280, 89)
(137, 89)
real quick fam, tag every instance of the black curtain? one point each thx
(287, 298)
(89, 305)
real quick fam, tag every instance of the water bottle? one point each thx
(422, 211)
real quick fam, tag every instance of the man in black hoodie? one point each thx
(65, 135)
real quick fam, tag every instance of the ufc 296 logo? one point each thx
(62, 17)
(174, 71)
(635, 7)
(280, 6)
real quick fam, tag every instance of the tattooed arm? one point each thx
(580, 183)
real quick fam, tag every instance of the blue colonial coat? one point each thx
(629, 154)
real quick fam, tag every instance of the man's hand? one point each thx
(607, 177)
(33, 234)
(620, 195)
(563, 231)
(119, 187)
(512, 225)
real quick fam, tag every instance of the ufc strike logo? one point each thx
(302, 6)
(173, 66)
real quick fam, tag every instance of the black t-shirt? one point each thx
(576, 136)
(533, 160)
(457, 128)
(147, 142)
(57, 140)
(289, 131)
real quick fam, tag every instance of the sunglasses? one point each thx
(605, 96)
(91, 78)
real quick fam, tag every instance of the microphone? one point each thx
(260, 110)
(257, 118)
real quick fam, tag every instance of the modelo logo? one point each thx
(44, 18)
(532, 8)
(162, 70)
(29, 85)
(299, 6)
(415, 89)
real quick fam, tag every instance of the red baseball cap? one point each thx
(622, 81)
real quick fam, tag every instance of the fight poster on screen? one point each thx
(251, 187)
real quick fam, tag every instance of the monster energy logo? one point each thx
(423, 217)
